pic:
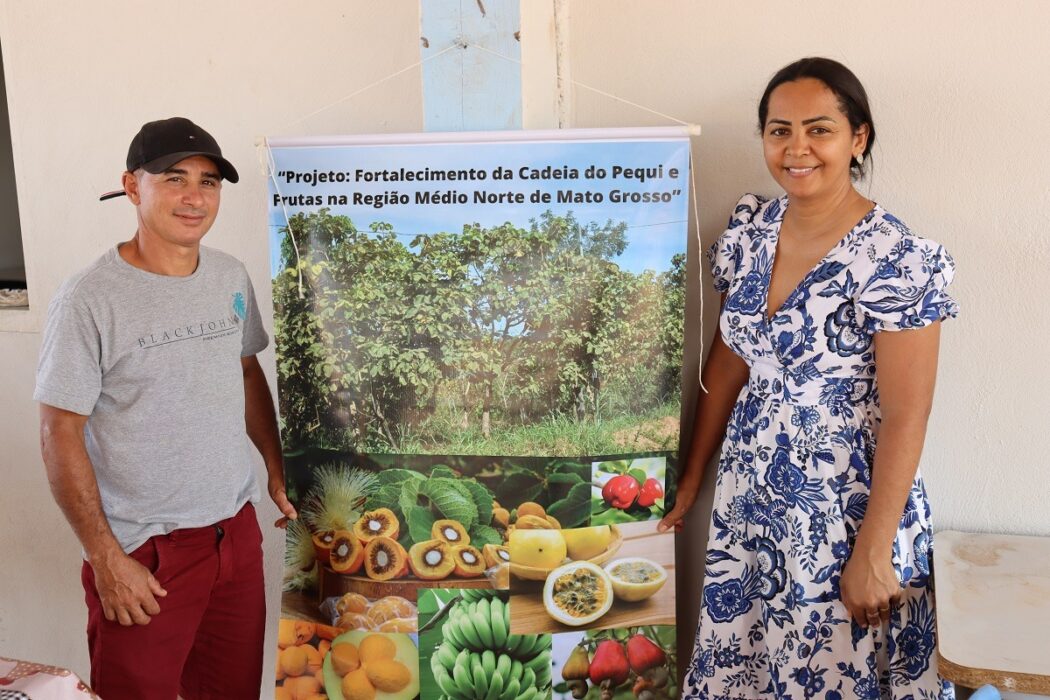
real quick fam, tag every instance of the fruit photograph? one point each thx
(599, 577)
(354, 611)
(468, 652)
(628, 490)
(632, 663)
(544, 328)
(301, 650)
(382, 535)
(364, 665)
(383, 527)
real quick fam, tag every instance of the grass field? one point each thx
(557, 436)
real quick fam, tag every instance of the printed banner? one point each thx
(479, 348)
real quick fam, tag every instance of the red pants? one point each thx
(207, 640)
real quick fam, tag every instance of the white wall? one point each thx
(958, 91)
(959, 100)
(81, 79)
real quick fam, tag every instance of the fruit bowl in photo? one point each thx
(534, 573)
(336, 584)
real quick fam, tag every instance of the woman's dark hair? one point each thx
(853, 100)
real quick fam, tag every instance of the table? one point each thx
(24, 680)
(993, 610)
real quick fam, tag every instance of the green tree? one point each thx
(501, 325)
(528, 303)
(499, 280)
(673, 330)
(366, 326)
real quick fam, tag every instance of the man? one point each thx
(148, 384)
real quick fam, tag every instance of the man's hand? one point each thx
(127, 590)
(280, 499)
(261, 422)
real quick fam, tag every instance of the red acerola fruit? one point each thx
(651, 490)
(610, 663)
(621, 491)
(643, 654)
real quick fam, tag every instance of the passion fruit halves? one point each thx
(635, 578)
(577, 593)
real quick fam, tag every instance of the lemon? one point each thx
(542, 549)
(587, 542)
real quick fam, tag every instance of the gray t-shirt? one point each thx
(155, 363)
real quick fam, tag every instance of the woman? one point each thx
(817, 580)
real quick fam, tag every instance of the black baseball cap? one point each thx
(161, 144)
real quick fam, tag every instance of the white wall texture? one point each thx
(959, 98)
(81, 78)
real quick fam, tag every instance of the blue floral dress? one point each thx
(795, 470)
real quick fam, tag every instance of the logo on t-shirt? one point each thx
(239, 307)
(203, 330)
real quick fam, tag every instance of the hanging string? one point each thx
(463, 44)
(588, 87)
(693, 128)
(371, 85)
(271, 169)
(270, 166)
(699, 268)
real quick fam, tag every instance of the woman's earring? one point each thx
(860, 158)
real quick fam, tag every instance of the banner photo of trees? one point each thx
(479, 349)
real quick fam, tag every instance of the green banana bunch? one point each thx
(468, 675)
(485, 624)
(474, 594)
(479, 659)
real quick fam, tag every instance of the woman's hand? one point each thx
(685, 497)
(905, 370)
(725, 373)
(869, 587)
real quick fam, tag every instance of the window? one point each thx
(12, 260)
